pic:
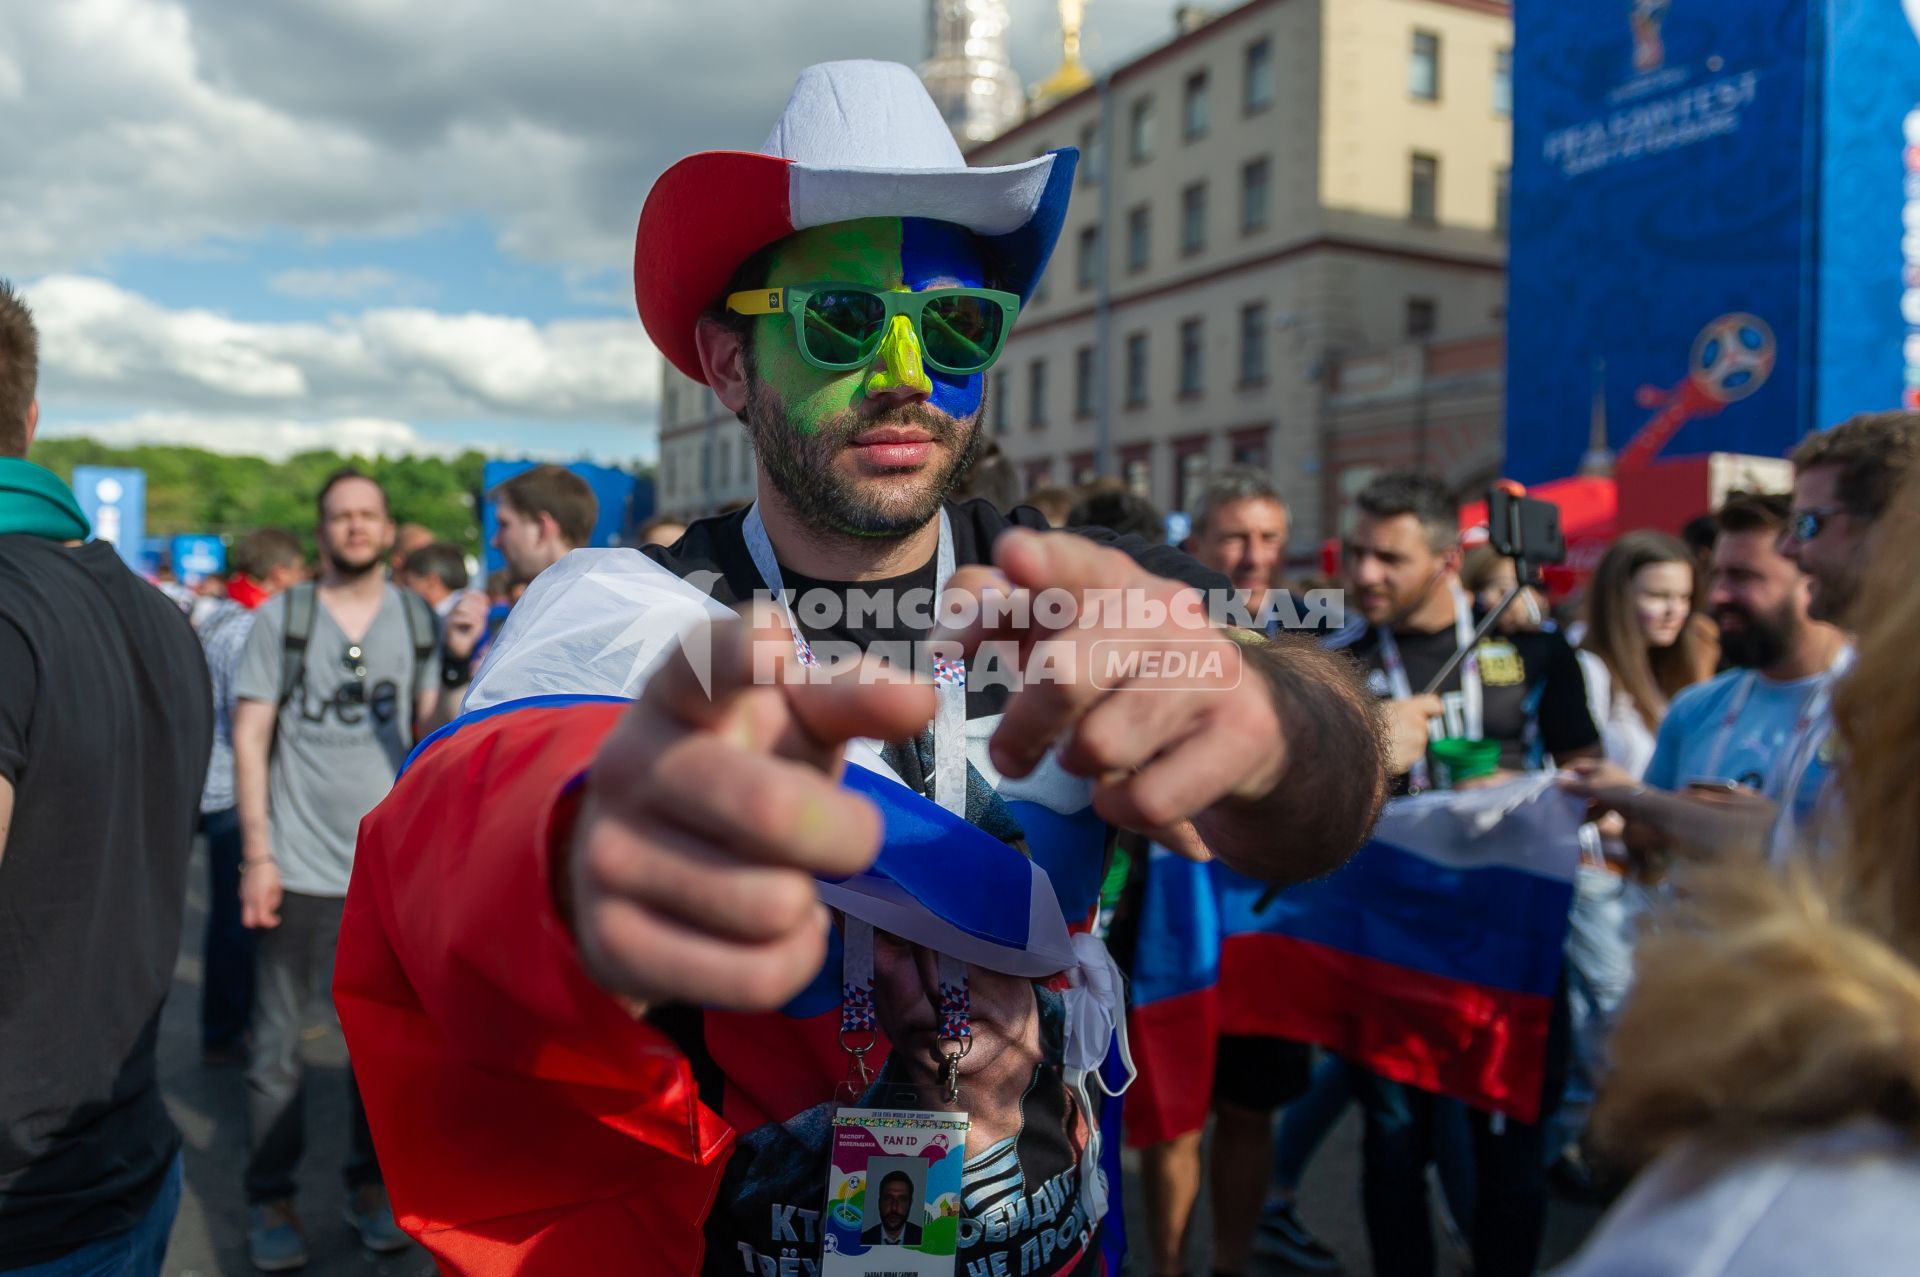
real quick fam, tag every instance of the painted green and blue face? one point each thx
(808, 425)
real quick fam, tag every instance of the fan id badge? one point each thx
(893, 1193)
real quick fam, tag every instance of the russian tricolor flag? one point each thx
(1432, 957)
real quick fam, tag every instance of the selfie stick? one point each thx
(1521, 573)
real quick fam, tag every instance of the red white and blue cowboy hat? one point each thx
(857, 139)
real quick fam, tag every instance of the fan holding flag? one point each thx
(674, 885)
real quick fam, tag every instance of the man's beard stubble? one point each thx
(376, 560)
(1761, 642)
(801, 467)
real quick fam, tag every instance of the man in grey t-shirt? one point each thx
(319, 732)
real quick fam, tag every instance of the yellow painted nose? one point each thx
(900, 368)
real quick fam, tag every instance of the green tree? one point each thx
(194, 490)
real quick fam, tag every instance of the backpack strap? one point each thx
(423, 627)
(301, 602)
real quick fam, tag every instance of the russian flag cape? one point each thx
(1432, 957)
(528, 1124)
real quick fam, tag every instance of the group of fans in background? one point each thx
(1753, 691)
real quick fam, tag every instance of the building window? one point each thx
(1423, 69)
(1192, 358)
(1083, 468)
(1249, 448)
(1136, 369)
(1190, 478)
(1037, 394)
(1140, 131)
(1195, 113)
(1087, 266)
(1193, 218)
(725, 468)
(1253, 196)
(1138, 473)
(1040, 289)
(1503, 82)
(1083, 382)
(1139, 237)
(1253, 343)
(1259, 78)
(1000, 420)
(1423, 316)
(1423, 203)
(1090, 155)
(1502, 200)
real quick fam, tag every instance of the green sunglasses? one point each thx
(839, 327)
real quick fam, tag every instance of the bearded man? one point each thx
(665, 890)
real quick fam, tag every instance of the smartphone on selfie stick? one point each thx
(1526, 530)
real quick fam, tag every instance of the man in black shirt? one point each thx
(106, 720)
(1524, 691)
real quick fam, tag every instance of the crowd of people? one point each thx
(635, 938)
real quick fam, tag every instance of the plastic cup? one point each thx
(1460, 758)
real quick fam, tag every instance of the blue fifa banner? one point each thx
(197, 557)
(622, 503)
(1710, 204)
(114, 500)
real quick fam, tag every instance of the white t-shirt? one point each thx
(1624, 735)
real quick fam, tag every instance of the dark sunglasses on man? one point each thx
(1805, 525)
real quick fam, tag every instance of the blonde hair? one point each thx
(1768, 1003)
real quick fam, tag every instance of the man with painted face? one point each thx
(587, 953)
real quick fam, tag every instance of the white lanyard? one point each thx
(1799, 757)
(1470, 694)
(1812, 731)
(950, 678)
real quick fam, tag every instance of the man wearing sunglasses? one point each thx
(582, 967)
(1843, 479)
(333, 681)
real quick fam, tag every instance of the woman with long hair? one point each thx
(1640, 649)
(1767, 1064)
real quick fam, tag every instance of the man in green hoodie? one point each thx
(106, 720)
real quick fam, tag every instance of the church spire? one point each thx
(967, 70)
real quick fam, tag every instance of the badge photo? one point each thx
(893, 1193)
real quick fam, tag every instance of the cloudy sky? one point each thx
(385, 225)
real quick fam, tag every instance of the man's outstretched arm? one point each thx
(1267, 755)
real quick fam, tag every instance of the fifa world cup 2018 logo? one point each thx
(1732, 356)
(1646, 18)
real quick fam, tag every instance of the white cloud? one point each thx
(340, 285)
(270, 437)
(101, 344)
(163, 124)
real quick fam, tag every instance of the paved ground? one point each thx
(210, 1106)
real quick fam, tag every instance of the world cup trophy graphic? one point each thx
(1731, 358)
(1646, 18)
